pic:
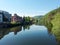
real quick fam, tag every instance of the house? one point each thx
(5, 16)
(16, 18)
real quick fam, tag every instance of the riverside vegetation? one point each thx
(52, 21)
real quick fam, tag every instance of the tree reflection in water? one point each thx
(26, 27)
(5, 31)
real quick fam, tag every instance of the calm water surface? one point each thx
(27, 35)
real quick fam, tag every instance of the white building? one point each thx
(5, 16)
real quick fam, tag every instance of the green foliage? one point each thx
(56, 21)
(56, 25)
(50, 16)
(52, 21)
(53, 18)
(27, 19)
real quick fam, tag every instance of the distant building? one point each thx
(16, 18)
(5, 16)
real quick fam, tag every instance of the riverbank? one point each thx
(9, 25)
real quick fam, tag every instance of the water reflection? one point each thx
(56, 33)
(48, 26)
(26, 27)
(16, 29)
(5, 31)
(28, 34)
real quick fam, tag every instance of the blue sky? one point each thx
(29, 7)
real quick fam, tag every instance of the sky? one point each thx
(29, 7)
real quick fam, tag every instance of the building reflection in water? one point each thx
(5, 31)
(16, 29)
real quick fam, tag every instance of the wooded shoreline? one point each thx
(9, 25)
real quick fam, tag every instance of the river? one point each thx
(27, 35)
